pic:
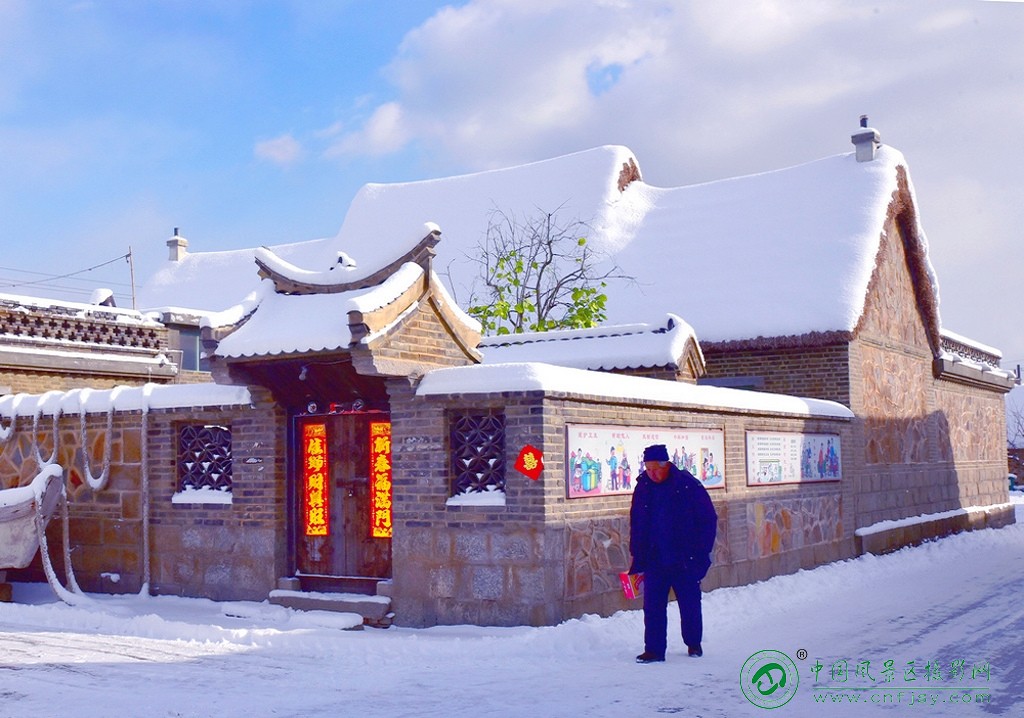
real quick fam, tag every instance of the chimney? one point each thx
(178, 246)
(866, 141)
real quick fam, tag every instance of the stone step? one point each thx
(375, 610)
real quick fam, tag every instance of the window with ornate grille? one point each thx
(204, 458)
(477, 445)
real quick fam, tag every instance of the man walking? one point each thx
(672, 532)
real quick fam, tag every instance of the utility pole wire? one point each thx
(71, 274)
(131, 270)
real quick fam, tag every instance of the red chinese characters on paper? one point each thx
(315, 472)
(380, 479)
(530, 462)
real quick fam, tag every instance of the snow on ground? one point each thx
(955, 599)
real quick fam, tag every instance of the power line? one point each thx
(76, 294)
(81, 286)
(4, 280)
(52, 278)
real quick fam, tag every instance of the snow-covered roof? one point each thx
(285, 323)
(779, 253)
(385, 220)
(775, 254)
(18, 302)
(97, 362)
(524, 377)
(207, 282)
(617, 346)
(122, 398)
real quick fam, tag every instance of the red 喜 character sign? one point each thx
(530, 462)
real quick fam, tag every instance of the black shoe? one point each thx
(648, 657)
(695, 651)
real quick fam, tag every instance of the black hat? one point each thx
(657, 452)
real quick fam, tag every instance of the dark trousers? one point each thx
(657, 583)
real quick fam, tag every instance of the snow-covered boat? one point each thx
(24, 510)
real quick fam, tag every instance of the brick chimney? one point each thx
(178, 246)
(866, 140)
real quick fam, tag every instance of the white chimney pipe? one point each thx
(866, 141)
(178, 246)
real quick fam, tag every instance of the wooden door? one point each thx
(342, 544)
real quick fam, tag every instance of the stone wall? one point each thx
(931, 444)
(497, 565)
(232, 551)
(541, 557)
(921, 443)
(816, 517)
(976, 428)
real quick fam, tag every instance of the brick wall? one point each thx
(542, 557)
(817, 371)
(234, 551)
(421, 341)
(65, 337)
(38, 382)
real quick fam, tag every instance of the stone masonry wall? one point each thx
(233, 551)
(542, 558)
(976, 428)
(497, 565)
(930, 444)
(763, 531)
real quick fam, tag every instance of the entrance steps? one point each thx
(337, 594)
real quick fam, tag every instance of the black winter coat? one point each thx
(672, 524)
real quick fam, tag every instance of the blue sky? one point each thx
(249, 123)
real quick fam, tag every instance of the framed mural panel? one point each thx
(776, 457)
(604, 460)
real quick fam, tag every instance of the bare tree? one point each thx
(538, 273)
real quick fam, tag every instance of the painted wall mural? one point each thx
(604, 460)
(775, 457)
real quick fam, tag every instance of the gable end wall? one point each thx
(929, 445)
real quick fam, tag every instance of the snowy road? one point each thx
(953, 600)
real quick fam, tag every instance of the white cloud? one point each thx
(284, 150)
(473, 79)
(383, 133)
(702, 91)
(496, 82)
(753, 27)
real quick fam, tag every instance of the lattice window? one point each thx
(204, 457)
(477, 445)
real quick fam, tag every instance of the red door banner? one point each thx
(316, 511)
(380, 479)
